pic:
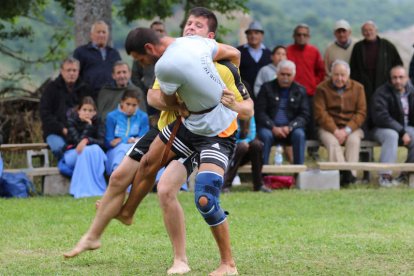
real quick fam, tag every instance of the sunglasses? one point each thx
(301, 34)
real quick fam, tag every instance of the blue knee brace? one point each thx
(208, 185)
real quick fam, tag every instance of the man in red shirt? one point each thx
(310, 70)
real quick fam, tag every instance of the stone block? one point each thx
(411, 180)
(318, 180)
(56, 185)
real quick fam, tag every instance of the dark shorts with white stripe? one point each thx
(141, 147)
(214, 150)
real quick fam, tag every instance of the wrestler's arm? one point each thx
(244, 108)
(225, 51)
(160, 101)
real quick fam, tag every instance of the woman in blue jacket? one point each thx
(124, 126)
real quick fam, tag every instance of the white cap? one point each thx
(342, 24)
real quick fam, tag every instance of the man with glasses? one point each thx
(310, 71)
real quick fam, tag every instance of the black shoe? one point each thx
(401, 179)
(346, 178)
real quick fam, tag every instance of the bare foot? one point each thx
(97, 204)
(127, 220)
(224, 269)
(83, 245)
(179, 267)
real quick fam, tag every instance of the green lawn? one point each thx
(288, 232)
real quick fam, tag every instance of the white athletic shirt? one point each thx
(187, 67)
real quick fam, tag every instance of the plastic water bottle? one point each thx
(279, 155)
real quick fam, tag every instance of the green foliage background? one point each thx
(281, 16)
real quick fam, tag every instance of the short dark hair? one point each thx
(119, 63)
(70, 60)
(130, 93)
(156, 22)
(138, 37)
(87, 100)
(300, 26)
(204, 12)
(277, 48)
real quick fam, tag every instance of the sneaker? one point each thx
(401, 179)
(236, 181)
(265, 189)
(385, 181)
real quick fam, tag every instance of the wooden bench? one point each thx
(275, 168)
(52, 181)
(370, 166)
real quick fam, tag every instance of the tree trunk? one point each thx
(86, 13)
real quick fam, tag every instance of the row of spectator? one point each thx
(326, 98)
(97, 61)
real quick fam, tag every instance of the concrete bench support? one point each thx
(318, 180)
(56, 185)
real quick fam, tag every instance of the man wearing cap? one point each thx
(342, 47)
(254, 55)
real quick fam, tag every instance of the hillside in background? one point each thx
(278, 18)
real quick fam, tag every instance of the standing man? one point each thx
(209, 128)
(342, 47)
(282, 113)
(57, 102)
(340, 111)
(110, 95)
(254, 54)
(392, 112)
(310, 71)
(97, 58)
(143, 76)
(372, 59)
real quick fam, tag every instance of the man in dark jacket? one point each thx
(372, 58)
(111, 93)
(392, 112)
(57, 102)
(254, 55)
(97, 58)
(282, 113)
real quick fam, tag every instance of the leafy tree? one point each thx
(26, 26)
(32, 38)
(148, 9)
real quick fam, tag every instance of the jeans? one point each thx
(389, 139)
(296, 138)
(56, 144)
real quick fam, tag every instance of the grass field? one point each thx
(288, 232)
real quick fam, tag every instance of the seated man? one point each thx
(248, 149)
(57, 101)
(340, 111)
(110, 95)
(392, 113)
(282, 113)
